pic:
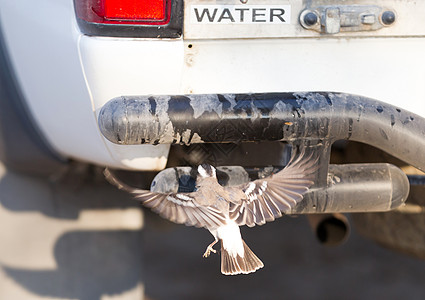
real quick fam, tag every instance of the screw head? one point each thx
(388, 17)
(310, 19)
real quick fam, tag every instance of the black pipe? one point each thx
(291, 117)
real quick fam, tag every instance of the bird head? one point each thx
(206, 171)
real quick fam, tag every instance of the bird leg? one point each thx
(210, 249)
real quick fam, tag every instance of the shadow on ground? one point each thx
(167, 259)
(89, 265)
(62, 196)
(89, 262)
(296, 266)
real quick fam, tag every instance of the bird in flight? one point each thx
(222, 210)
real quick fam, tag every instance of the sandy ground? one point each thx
(79, 238)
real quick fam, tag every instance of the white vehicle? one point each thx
(145, 85)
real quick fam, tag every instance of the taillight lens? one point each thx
(155, 12)
(135, 10)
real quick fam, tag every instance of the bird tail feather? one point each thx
(236, 264)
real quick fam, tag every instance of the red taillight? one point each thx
(135, 9)
(124, 11)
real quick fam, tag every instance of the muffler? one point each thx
(349, 188)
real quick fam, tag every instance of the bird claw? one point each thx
(208, 251)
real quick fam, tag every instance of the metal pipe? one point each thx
(357, 188)
(349, 188)
(288, 117)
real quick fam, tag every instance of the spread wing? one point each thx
(181, 208)
(264, 200)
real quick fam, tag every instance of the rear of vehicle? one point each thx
(91, 76)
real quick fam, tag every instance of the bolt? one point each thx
(310, 19)
(388, 17)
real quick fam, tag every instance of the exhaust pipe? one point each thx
(330, 229)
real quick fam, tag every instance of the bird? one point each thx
(222, 210)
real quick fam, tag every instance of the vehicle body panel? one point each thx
(69, 76)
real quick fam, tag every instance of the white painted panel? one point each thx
(42, 42)
(116, 67)
(387, 69)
